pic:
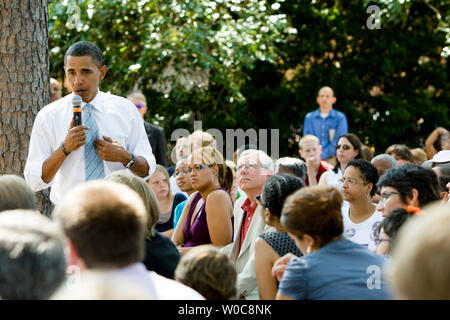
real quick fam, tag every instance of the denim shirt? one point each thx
(328, 130)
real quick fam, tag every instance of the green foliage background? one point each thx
(259, 64)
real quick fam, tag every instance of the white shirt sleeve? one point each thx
(39, 151)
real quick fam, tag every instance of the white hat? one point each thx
(440, 157)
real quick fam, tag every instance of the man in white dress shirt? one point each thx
(105, 223)
(57, 149)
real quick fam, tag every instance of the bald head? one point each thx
(384, 162)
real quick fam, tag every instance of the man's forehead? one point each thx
(249, 158)
(309, 145)
(326, 90)
(86, 62)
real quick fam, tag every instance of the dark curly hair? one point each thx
(410, 176)
(277, 188)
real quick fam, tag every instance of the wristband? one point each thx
(64, 149)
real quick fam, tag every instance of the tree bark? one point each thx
(24, 81)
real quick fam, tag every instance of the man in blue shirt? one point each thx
(326, 123)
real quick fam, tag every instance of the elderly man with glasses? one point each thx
(254, 167)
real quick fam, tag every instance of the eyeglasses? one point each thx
(198, 167)
(248, 166)
(344, 146)
(350, 181)
(139, 105)
(385, 195)
(177, 174)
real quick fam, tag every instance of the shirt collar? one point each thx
(246, 206)
(97, 102)
(331, 114)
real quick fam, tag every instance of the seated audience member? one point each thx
(419, 156)
(407, 185)
(15, 193)
(32, 258)
(420, 265)
(360, 217)
(383, 162)
(253, 167)
(386, 232)
(209, 272)
(161, 255)
(207, 217)
(313, 218)
(443, 173)
(98, 285)
(347, 149)
(270, 246)
(167, 201)
(291, 166)
(105, 223)
(401, 153)
(181, 150)
(184, 185)
(366, 153)
(310, 150)
(439, 137)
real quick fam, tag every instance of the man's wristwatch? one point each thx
(131, 163)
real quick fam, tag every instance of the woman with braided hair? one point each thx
(332, 267)
(270, 246)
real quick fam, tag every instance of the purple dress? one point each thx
(197, 233)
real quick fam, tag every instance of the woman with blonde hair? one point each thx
(161, 255)
(207, 217)
(167, 201)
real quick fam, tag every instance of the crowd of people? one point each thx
(336, 223)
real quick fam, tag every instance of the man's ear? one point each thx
(444, 196)
(333, 100)
(74, 258)
(413, 198)
(103, 71)
(300, 153)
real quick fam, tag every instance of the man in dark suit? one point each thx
(155, 133)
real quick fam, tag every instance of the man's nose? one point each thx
(79, 79)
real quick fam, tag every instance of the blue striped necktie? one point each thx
(93, 164)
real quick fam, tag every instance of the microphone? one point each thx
(76, 102)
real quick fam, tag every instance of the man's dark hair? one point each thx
(291, 165)
(32, 257)
(400, 151)
(368, 170)
(85, 48)
(409, 176)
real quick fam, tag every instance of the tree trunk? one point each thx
(24, 81)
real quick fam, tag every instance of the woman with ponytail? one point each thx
(207, 217)
(332, 268)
